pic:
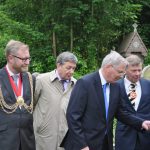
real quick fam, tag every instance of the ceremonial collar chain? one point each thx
(19, 101)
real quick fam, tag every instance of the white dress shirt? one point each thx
(11, 74)
(103, 81)
(65, 84)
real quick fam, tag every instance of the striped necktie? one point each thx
(63, 86)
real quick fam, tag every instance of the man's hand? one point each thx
(146, 125)
(86, 148)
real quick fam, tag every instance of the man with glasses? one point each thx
(94, 102)
(16, 99)
(52, 94)
(135, 92)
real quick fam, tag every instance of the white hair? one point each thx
(114, 59)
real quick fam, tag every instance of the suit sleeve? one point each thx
(124, 115)
(75, 113)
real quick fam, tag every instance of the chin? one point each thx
(24, 70)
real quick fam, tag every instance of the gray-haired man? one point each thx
(94, 102)
(52, 95)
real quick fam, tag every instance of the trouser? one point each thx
(105, 145)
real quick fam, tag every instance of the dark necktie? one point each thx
(63, 86)
(105, 99)
(132, 93)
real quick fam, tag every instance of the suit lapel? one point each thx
(143, 90)
(7, 85)
(100, 95)
(124, 93)
(24, 82)
(111, 95)
(26, 88)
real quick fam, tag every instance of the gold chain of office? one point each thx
(12, 108)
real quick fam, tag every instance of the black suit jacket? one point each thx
(125, 135)
(16, 128)
(86, 114)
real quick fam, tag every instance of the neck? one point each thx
(104, 74)
(11, 69)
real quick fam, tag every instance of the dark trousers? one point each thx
(20, 147)
(138, 146)
(105, 145)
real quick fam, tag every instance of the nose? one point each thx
(27, 62)
(138, 73)
(71, 70)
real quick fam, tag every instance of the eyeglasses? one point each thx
(23, 59)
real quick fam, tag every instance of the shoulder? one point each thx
(91, 76)
(2, 70)
(120, 81)
(47, 77)
(144, 81)
(89, 79)
(117, 84)
(44, 75)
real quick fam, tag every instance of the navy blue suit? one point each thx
(16, 128)
(127, 137)
(86, 114)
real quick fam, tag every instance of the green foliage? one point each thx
(42, 61)
(95, 27)
(147, 59)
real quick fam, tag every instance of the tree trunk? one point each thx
(71, 37)
(54, 44)
(92, 10)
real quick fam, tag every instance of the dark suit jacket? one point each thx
(15, 128)
(86, 114)
(126, 137)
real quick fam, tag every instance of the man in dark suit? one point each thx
(135, 91)
(16, 99)
(94, 102)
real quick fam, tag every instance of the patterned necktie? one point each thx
(105, 99)
(132, 93)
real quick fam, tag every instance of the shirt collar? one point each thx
(57, 75)
(128, 82)
(9, 71)
(103, 80)
(59, 78)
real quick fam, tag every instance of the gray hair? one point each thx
(134, 60)
(13, 46)
(114, 59)
(65, 57)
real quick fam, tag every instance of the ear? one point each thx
(10, 58)
(58, 65)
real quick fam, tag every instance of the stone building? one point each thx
(133, 44)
